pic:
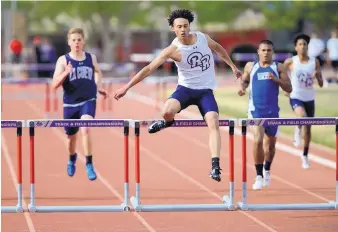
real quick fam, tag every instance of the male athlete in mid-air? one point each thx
(191, 52)
(264, 77)
(304, 70)
(80, 76)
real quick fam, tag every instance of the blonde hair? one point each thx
(76, 31)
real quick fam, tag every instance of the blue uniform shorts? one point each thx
(75, 112)
(271, 130)
(204, 99)
(308, 106)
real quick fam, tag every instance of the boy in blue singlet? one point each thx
(80, 77)
(264, 77)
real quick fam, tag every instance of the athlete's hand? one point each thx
(69, 68)
(103, 93)
(237, 73)
(272, 77)
(120, 93)
(241, 92)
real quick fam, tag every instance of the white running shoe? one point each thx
(305, 162)
(258, 183)
(297, 137)
(267, 178)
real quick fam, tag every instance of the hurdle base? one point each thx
(310, 206)
(227, 200)
(12, 209)
(138, 207)
(94, 208)
(125, 207)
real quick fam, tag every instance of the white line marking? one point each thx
(10, 165)
(100, 177)
(280, 179)
(283, 147)
(192, 180)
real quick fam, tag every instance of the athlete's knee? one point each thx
(258, 132)
(170, 109)
(300, 112)
(258, 141)
(168, 116)
(270, 144)
(86, 130)
(71, 138)
(211, 119)
(271, 148)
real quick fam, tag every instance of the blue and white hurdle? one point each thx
(244, 123)
(18, 125)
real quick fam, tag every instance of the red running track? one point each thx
(174, 169)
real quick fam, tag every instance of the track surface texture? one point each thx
(174, 169)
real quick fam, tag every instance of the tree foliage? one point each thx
(285, 14)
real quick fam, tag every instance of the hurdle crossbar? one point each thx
(32, 207)
(244, 123)
(228, 200)
(34, 81)
(18, 125)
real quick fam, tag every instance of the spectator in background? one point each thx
(45, 57)
(316, 48)
(332, 55)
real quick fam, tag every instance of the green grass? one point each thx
(232, 105)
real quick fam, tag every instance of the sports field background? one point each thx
(232, 105)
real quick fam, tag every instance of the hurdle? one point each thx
(228, 201)
(108, 84)
(32, 124)
(47, 95)
(18, 125)
(244, 123)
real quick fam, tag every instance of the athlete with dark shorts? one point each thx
(304, 70)
(192, 54)
(80, 77)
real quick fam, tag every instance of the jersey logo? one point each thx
(305, 78)
(82, 72)
(197, 59)
(263, 76)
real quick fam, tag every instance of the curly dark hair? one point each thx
(301, 36)
(180, 13)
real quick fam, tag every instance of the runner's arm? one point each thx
(318, 73)
(150, 68)
(246, 76)
(60, 72)
(97, 72)
(220, 51)
(283, 81)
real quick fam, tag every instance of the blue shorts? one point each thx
(308, 106)
(88, 107)
(269, 130)
(204, 99)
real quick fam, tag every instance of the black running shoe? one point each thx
(159, 125)
(216, 174)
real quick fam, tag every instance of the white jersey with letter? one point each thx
(302, 79)
(196, 69)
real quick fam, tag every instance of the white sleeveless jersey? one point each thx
(196, 69)
(302, 79)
